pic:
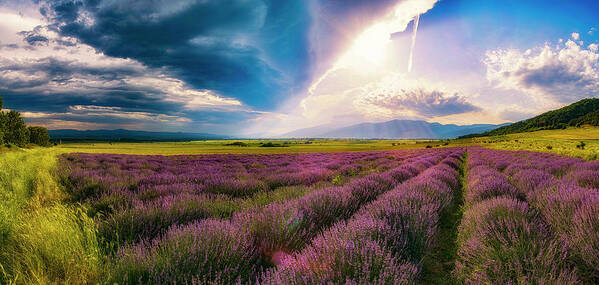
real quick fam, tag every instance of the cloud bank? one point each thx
(563, 73)
(422, 102)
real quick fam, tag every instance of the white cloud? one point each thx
(575, 36)
(82, 111)
(395, 95)
(563, 74)
(117, 112)
(370, 50)
(99, 117)
(176, 91)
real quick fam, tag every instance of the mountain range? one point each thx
(405, 129)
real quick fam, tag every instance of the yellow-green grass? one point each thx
(563, 142)
(222, 147)
(42, 240)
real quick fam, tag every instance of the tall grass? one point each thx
(42, 240)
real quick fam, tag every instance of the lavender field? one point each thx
(299, 142)
(454, 215)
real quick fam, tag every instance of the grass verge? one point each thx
(42, 240)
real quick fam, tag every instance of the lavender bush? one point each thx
(209, 251)
(502, 241)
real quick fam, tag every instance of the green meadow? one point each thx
(575, 142)
(246, 146)
(562, 142)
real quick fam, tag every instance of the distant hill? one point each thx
(583, 112)
(404, 129)
(127, 135)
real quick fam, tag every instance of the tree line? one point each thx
(13, 130)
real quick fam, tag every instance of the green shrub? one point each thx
(15, 130)
(270, 144)
(39, 136)
(237, 144)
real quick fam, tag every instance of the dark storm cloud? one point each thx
(213, 121)
(49, 84)
(36, 39)
(425, 103)
(128, 98)
(243, 49)
(563, 81)
(126, 107)
(39, 72)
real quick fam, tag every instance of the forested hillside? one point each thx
(583, 112)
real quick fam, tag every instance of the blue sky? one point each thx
(260, 67)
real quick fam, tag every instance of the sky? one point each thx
(260, 68)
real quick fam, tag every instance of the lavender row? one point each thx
(94, 175)
(570, 207)
(568, 204)
(258, 238)
(502, 238)
(572, 170)
(384, 243)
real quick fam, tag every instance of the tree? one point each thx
(15, 130)
(1, 127)
(39, 136)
